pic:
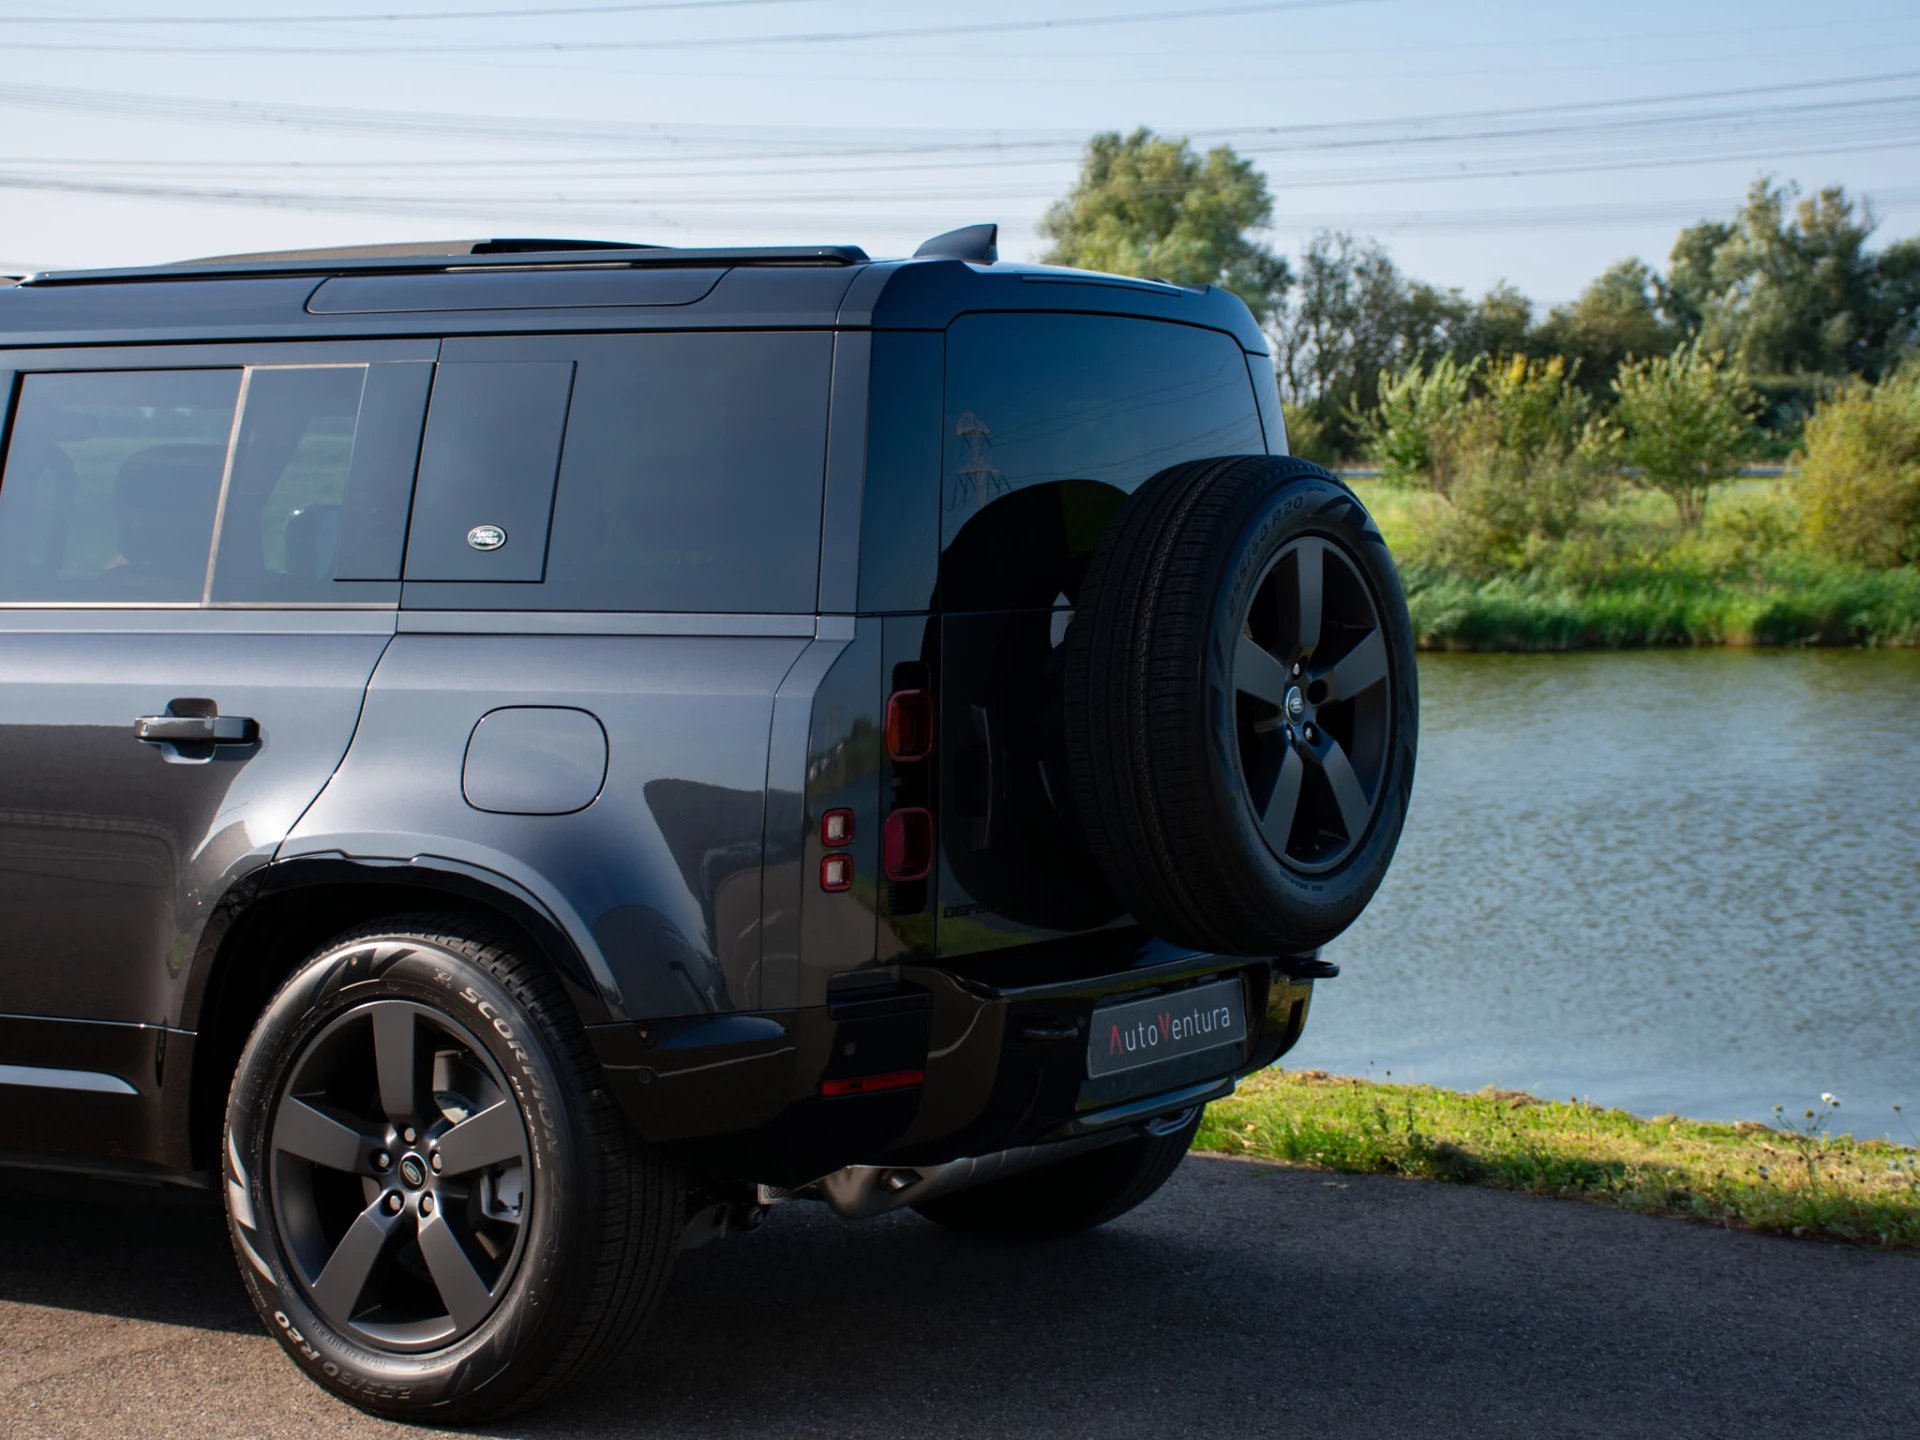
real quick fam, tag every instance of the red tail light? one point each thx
(836, 872)
(906, 846)
(909, 725)
(868, 1084)
(836, 827)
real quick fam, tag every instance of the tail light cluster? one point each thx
(907, 836)
(836, 866)
(907, 842)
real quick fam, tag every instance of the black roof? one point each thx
(445, 256)
(495, 286)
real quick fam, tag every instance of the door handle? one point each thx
(197, 729)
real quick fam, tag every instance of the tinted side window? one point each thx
(1052, 420)
(111, 484)
(690, 476)
(322, 469)
(282, 519)
(900, 507)
(693, 475)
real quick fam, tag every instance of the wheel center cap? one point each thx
(413, 1170)
(1296, 703)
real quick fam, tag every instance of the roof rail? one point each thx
(406, 249)
(458, 255)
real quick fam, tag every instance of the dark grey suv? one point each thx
(519, 756)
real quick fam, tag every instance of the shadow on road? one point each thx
(1242, 1301)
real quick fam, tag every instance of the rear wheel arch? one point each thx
(273, 921)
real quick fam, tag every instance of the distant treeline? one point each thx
(1530, 453)
(1788, 289)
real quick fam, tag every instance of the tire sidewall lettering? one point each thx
(428, 975)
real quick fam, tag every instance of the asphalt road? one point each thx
(1241, 1301)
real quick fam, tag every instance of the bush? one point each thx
(1308, 435)
(1531, 411)
(1419, 428)
(1529, 457)
(1859, 477)
(1685, 420)
(1537, 456)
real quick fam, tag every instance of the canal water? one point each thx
(1681, 881)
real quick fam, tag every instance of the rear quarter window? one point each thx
(691, 473)
(1051, 422)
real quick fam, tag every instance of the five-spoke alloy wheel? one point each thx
(399, 1176)
(1313, 697)
(437, 1209)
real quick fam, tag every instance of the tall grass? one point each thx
(1628, 578)
(1794, 601)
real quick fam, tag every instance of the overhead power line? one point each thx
(1370, 47)
(692, 145)
(843, 222)
(414, 202)
(709, 42)
(1865, 118)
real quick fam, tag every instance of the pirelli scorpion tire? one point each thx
(1241, 705)
(436, 1209)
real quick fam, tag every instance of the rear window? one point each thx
(1051, 422)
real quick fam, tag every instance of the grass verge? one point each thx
(1786, 603)
(1795, 1179)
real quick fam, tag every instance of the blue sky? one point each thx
(1481, 142)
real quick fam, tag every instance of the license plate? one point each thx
(1166, 1027)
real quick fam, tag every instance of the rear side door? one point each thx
(199, 566)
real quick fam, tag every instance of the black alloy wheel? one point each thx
(1313, 702)
(439, 1212)
(401, 1176)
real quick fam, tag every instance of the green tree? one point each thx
(1615, 319)
(1153, 206)
(1499, 323)
(1352, 318)
(1685, 420)
(1791, 287)
(1687, 291)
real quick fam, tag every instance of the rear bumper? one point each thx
(1002, 1045)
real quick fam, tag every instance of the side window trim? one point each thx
(385, 450)
(226, 481)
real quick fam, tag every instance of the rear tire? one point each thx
(412, 1272)
(1073, 1195)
